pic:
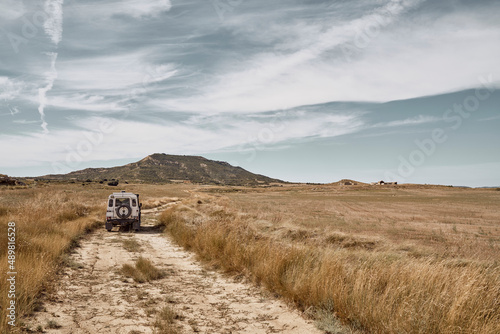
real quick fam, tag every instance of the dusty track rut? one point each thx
(93, 297)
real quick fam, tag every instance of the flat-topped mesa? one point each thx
(165, 168)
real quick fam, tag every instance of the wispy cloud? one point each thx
(492, 118)
(10, 88)
(159, 73)
(137, 9)
(14, 110)
(420, 119)
(53, 25)
(87, 102)
(143, 8)
(265, 80)
(50, 77)
(23, 121)
(302, 62)
(194, 136)
(115, 72)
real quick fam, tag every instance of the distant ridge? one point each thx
(348, 182)
(164, 168)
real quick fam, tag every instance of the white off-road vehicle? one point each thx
(124, 210)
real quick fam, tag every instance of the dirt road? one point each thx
(94, 297)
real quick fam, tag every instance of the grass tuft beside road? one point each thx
(143, 271)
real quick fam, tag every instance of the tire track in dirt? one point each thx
(94, 297)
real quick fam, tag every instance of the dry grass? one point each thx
(131, 245)
(165, 321)
(439, 221)
(347, 268)
(3, 211)
(52, 324)
(128, 270)
(143, 271)
(50, 218)
(408, 260)
(157, 202)
(48, 224)
(148, 269)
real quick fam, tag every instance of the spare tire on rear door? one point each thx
(124, 211)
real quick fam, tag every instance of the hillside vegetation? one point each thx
(163, 168)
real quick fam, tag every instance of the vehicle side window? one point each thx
(110, 204)
(134, 202)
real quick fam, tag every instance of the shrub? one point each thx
(143, 271)
(165, 321)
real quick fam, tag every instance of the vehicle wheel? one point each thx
(124, 211)
(108, 229)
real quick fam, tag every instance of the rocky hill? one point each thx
(164, 168)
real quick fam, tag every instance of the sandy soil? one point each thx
(94, 297)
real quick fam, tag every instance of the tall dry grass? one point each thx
(50, 218)
(48, 224)
(165, 322)
(439, 221)
(152, 203)
(377, 291)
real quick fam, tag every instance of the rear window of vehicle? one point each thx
(122, 201)
(110, 204)
(134, 202)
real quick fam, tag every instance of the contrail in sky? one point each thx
(53, 28)
(42, 92)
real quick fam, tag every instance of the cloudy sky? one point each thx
(313, 91)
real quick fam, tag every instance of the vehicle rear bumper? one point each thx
(122, 222)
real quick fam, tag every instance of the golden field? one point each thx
(405, 259)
